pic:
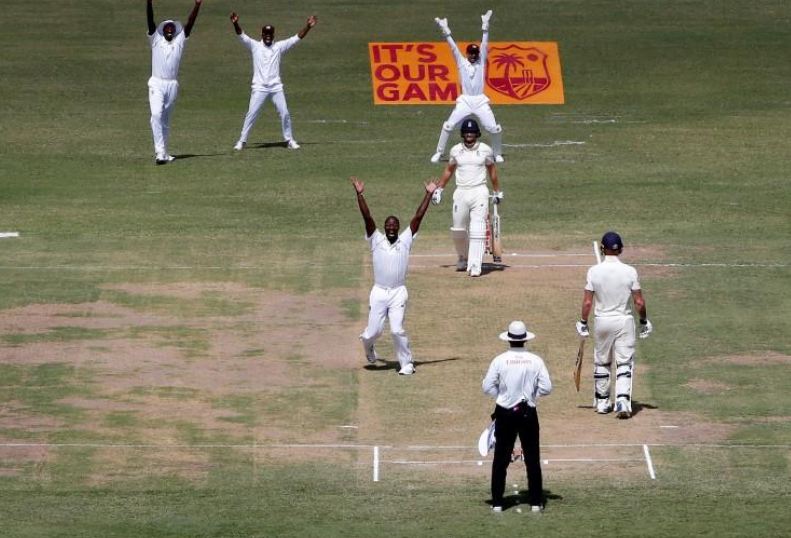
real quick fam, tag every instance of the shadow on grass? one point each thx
(182, 156)
(636, 407)
(521, 499)
(394, 365)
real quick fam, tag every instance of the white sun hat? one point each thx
(517, 332)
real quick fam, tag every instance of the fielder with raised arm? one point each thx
(613, 284)
(267, 54)
(472, 101)
(388, 297)
(167, 46)
(471, 161)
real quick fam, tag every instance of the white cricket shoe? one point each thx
(461, 264)
(409, 369)
(372, 356)
(497, 509)
(239, 146)
(499, 159)
(475, 270)
(622, 410)
(292, 144)
(537, 508)
(603, 407)
(161, 158)
(436, 157)
(170, 158)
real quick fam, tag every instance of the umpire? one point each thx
(516, 379)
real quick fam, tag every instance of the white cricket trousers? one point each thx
(477, 106)
(470, 206)
(388, 303)
(257, 100)
(162, 96)
(614, 339)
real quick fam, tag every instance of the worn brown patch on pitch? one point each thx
(759, 359)
(706, 386)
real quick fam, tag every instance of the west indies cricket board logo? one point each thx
(518, 72)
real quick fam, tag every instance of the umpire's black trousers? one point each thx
(521, 420)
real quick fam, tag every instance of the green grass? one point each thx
(681, 116)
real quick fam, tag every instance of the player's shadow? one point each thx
(382, 364)
(637, 407)
(487, 268)
(267, 145)
(181, 156)
(521, 499)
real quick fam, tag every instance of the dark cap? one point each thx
(611, 241)
(472, 48)
(268, 29)
(470, 126)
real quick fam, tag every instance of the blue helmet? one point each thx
(470, 126)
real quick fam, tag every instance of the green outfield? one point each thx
(179, 349)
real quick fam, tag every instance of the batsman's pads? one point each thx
(436, 197)
(460, 241)
(443, 25)
(486, 440)
(477, 244)
(582, 329)
(646, 328)
(578, 365)
(497, 197)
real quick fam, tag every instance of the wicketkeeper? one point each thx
(613, 283)
(472, 162)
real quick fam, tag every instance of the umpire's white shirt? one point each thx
(517, 375)
(391, 261)
(266, 61)
(471, 164)
(612, 283)
(166, 55)
(472, 77)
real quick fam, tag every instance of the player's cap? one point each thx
(470, 126)
(473, 49)
(268, 30)
(611, 241)
(517, 332)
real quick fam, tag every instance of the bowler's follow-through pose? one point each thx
(267, 54)
(472, 101)
(472, 162)
(167, 46)
(613, 284)
(388, 298)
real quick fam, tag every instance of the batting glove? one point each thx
(582, 329)
(443, 25)
(497, 197)
(646, 328)
(485, 20)
(436, 196)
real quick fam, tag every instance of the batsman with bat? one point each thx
(614, 285)
(516, 379)
(471, 161)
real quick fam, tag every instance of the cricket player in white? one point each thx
(516, 379)
(167, 46)
(613, 283)
(472, 101)
(388, 297)
(472, 162)
(267, 54)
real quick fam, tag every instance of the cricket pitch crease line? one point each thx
(546, 461)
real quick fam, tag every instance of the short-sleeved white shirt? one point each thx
(166, 55)
(517, 375)
(612, 283)
(266, 61)
(471, 163)
(391, 261)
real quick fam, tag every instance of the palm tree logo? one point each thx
(518, 72)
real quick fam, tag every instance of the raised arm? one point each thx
(235, 21)
(443, 26)
(359, 187)
(431, 186)
(192, 17)
(485, 38)
(310, 23)
(152, 26)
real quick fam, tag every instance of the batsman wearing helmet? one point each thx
(472, 101)
(471, 161)
(612, 284)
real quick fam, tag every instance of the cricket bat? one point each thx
(497, 246)
(578, 364)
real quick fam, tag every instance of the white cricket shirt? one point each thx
(266, 61)
(471, 163)
(166, 55)
(517, 375)
(472, 77)
(612, 283)
(391, 261)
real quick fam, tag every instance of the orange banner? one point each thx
(517, 73)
